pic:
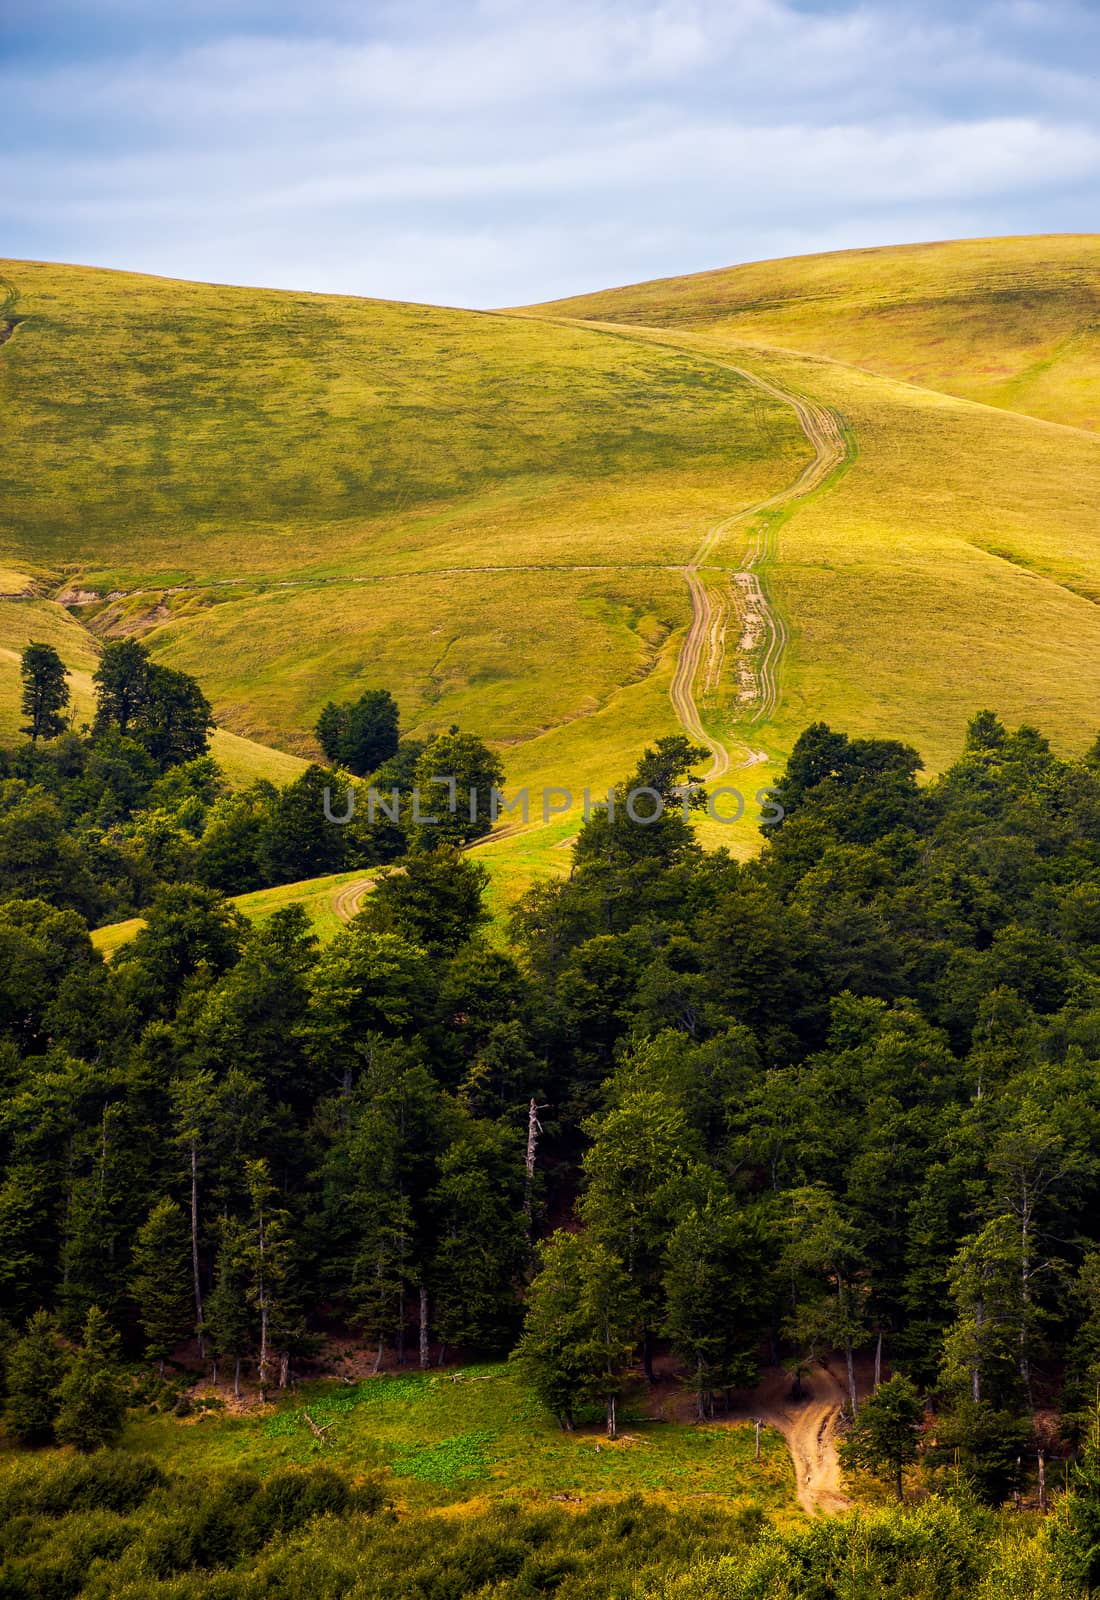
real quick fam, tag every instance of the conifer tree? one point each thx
(45, 692)
(35, 1369)
(93, 1395)
(161, 1282)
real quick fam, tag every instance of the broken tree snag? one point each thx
(425, 1349)
(534, 1128)
(317, 1432)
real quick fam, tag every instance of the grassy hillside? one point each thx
(47, 622)
(296, 496)
(496, 516)
(475, 1434)
(1011, 322)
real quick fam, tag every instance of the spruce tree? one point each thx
(45, 692)
(93, 1395)
(161, 1282)
(35, 1369)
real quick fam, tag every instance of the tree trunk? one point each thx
(534, 1128)
(647, 1355)
(264, 1313)
(425, 1346)
(1025, 1293)
(442, 1356)
(898, 1485)
(237, 1379)
(850, 1356)
(612, 1431)
(878, 1362)
(284, 1368)
(195, 1244)
(758, 1425)
(1042, 1481)
(975, 1371)
(378, 1358)
(214, 1372)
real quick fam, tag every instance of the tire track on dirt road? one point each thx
(706, 633)
(809, 1427)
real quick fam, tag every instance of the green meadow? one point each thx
(469, 1435)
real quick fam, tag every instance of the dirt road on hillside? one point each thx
(706, 636)
(809, 1427)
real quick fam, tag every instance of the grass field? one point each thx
(474, 1434)
(1011, 322)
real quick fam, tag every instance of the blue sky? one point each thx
(496, 153)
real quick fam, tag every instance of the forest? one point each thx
(841, 1098)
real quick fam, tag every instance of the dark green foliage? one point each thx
(161, 1279)
(122, 682)
(35, 1366)
(838, 1098)
(175, 719)
(884, 1437)
(454, 776)
(93, 1390)
(45, 692)
(435, 899)
(362, 734)
(582, 1322)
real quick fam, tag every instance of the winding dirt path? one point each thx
(706, 636)
(809, 1427)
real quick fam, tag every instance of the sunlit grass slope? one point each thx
(452, 1438)
(46, 622)
(1011, 322)
(296, 496)
(956, 564)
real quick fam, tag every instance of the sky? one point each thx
(509, 151)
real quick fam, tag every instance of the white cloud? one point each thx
(494, 151)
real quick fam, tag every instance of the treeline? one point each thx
(839, 1098)
(98, 821)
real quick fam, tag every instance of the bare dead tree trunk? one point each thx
(878, 1361)
(1042, 1481)
(612, 1429)
(425, 1346)
(195, 1244)
(758, 1423)
(264, 1311)
(534, 1128)
(284, 1368)
(237, 1379)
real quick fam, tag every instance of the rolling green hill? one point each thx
(1014, 323)
(827, 487)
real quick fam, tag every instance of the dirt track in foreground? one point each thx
(809, 1427)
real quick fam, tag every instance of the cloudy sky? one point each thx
(506, 151)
